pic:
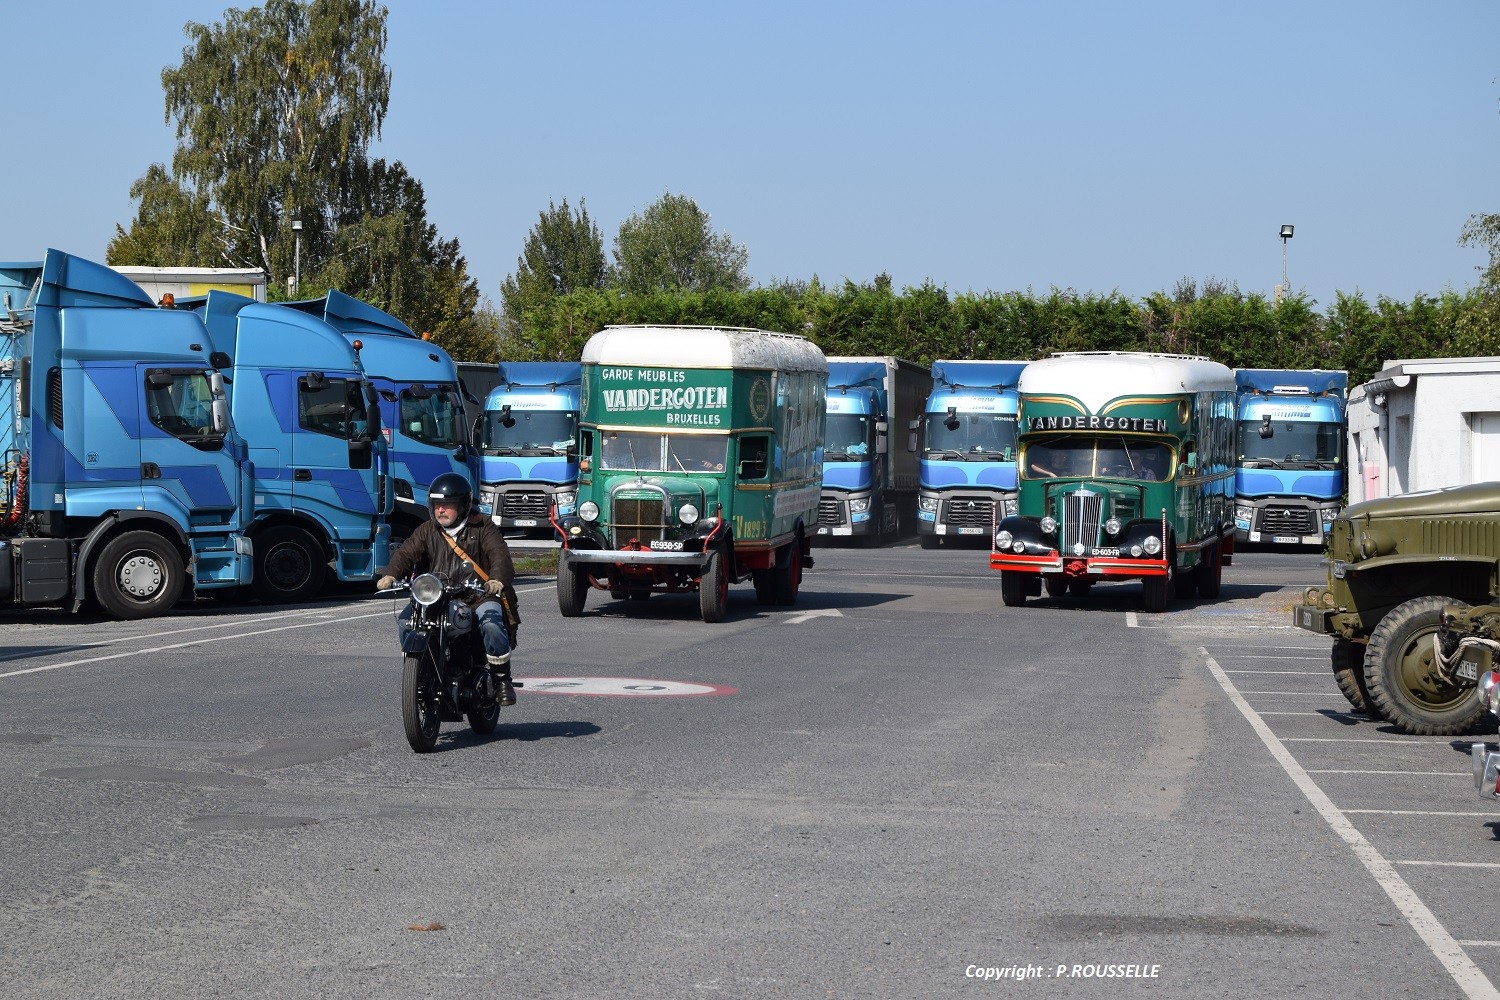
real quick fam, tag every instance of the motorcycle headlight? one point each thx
(427, 589)
(1049, 525)
(1152, 545)
(859, 506)
(688, 514)
(589, 511)
(1003, 539)
(1112, 526)
(928, 504)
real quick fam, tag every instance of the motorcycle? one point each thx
(444, 677)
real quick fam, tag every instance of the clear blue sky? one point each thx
(1099, 146)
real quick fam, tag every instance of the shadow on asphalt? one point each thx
(462, 737)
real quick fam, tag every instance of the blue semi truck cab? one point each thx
(1291, 475)
(122, 478)
(300, 396)
(869, 487)
(421, 410)
(527, 440)
(966, 442)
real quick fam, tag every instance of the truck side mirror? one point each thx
(218, 407)
(360, 453)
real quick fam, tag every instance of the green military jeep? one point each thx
(1394, 565)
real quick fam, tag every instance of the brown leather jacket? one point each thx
(426, 552)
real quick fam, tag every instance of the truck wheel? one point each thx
(787, 580)
(1185, 582)
(1210, 572)
(713, 589)
(1013, 588)
(139, 574)
(572, 587)
(765, 585)
(1402, 678)
(1056, 586)
(930, 541)
(290, 565)
(1349, 673)
(1080, 586)
(1154, 591)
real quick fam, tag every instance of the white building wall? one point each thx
(1438, 425)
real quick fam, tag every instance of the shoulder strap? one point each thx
(458, 550)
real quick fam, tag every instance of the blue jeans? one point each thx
(491, 617)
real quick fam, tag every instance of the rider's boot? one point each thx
(500, 674)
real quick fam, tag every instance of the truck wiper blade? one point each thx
(835, 454)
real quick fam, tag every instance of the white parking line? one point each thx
(1465, 973)
(1420, 812)
(1451, 864)
(1430, 774)
(1300, 694)
(1131, 621)
(1299, 673)
(1281, 657)
(322, 620)
(1322, 714)
(1414, 741)
(1480, 944)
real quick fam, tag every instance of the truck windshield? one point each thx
(530, 432)
(847, 438)
(646, 451)
(1293, 444)
(978, 437)
(431, 416)
(1088, 457)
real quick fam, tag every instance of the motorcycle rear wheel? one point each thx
(419, 708)
(485, 717)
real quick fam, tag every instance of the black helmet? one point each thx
(453, 488)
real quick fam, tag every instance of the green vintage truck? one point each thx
(700, 465)
(1394, 564)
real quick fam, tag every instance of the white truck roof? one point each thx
(1096, 377)
(703, 347)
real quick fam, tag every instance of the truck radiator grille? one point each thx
(638, 518)
(1288, 521)
(1082, 511)
(830, 512)
(969, 512)
(525, 503)
(1453, 535)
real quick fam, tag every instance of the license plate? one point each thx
(526, 522)
(1468, 671)
(659, 545)
(1285, 539)
(970, 531)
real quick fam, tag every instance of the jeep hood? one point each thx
(1476, 498)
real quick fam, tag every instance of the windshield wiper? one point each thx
(827, 454)
(503, 449)
(1260, 462)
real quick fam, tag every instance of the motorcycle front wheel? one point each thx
(419, 702)
(484, 717)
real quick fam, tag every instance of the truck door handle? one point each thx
(150, 470)
(302, 475)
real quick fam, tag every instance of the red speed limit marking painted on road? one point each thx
(622, 687)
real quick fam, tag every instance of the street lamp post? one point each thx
(1285, 287)
(296, 255)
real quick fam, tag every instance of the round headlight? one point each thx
(1489, 690)
(427, 589)
(1049, 525)
(1112, 526)
(688, 514)
(1152, 545)
(1003, 539)
(1018, 546)
(1078, 548)
(1135, 551)
(589, 511)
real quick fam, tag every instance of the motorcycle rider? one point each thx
(450, 500)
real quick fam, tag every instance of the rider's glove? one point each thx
(385, 583)
(493, 586)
